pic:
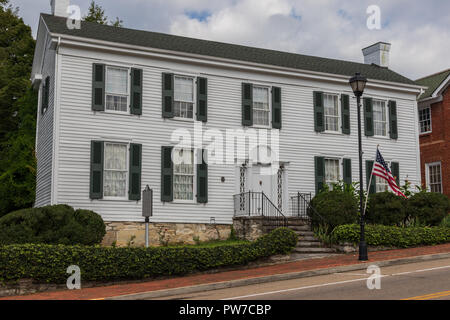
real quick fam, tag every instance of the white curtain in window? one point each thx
(331, 112)
(183, 174)
(117, 81)
(379, 117)
(331, 171)
(115, 170)
(184, 89)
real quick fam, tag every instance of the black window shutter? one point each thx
(202, 178)
(247, 104)
(136, 91)
(319, 166)
(393, 129)
(319, 116)
(167, 95)
(276, 107)
(202, 99)
(134, 188)
(166, 174)
(368, 117)
(45, 95)
(347, 170)
(98, 87)
(345, 112)
(395, 170)
(372, 187)
(96, 183)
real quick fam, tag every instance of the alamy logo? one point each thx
(374, 19)
(374, 281)
(74, 17)
(74, 281)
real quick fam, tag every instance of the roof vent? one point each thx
(59, 7)
(378, 54)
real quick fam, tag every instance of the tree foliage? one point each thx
(97, 14)
(17, 112)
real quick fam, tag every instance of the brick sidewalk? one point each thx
(177, 282)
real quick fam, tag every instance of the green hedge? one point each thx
(48, 263)
(392, 236)
(58, 224)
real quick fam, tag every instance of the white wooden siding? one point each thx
(299, 143)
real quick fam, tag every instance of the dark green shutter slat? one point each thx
(98, 87)
(319, 116)
(96, 177)
(202, 179)
(202, 99)
(276, 107)
(136, 91)
(347, 172)
(319, 166)
(345, 112)
(247, 104)
(393, 129)
(134, 188)
(167, 95)
(395, 170)
(368, 117)
(166, 174)
(372, 187)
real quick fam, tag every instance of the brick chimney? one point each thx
(378, 54)
(59, 7)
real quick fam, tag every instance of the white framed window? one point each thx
(117, 89)
(331, 106)
(380, 118)
(115, 170)
(434, 177)
(425, 119)
(261, 106)
(184, 97)
(183, 175)
(332, 171)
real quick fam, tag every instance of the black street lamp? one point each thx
(358, 83)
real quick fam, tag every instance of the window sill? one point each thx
(261, 127)
(113, 199)
(334, 132)
(184, 202)
(121, 113)
(182, 119)
(425, 134)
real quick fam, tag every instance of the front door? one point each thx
(263, 181)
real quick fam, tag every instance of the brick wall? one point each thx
(435, 146)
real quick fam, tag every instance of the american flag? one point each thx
(380, 169)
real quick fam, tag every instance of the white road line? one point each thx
(332, 283)
(293, 289)
(430, 269)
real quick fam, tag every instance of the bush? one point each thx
(48, 263)
(58, 224)
(446, 222)
(333, 208)
(386, 208)
(392, 236)
(428, 208)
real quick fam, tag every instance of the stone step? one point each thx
(313, 250)
(307, 238)
(311, 243)
(304, 233)
(300, 228)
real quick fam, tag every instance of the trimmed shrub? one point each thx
(335, 208)
(48, 263)
(428, 208)
(386, 208)
(392, 236)
(58, 224)
(446, 222)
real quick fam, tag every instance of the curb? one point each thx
(275, 277)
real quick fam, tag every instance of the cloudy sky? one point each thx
(418, 30)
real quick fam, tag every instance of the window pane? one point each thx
(116, 103)
(434, 178)
(425, 119)
(183, 187)
(115, 156)
(115, 173)
(331, 112)
(117, 81)
(331, 171)
(379, 118)
(261, 110)
(184, 89)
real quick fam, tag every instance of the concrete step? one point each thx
(313, 250)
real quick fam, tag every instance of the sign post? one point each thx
(147, 209)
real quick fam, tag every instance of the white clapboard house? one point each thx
(112, 102)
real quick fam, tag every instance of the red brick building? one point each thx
(434, 130)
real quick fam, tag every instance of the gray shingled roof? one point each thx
(221, 50)
(432, 82)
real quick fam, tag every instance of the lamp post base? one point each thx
(363, 251)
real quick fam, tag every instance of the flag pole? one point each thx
(370, 182)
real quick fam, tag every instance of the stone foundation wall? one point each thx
(248, 228)
(124, 234)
